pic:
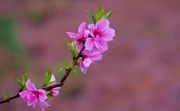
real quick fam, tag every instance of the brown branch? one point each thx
(47, 88)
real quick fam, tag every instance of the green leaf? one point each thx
(47, 78)
(68, 65)
(92, 17)
(75, 70)
(61, 69)
(99, 13)
(25, 78)
(72, 49)
(107, 15)
(21, 84)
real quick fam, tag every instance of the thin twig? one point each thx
(47, 88)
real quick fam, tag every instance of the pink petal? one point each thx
(108, 34)
(55, 92)
(95, 56)
(101, 45)
(44, 105)
(24, 93)
(89, 44)
(42, 94)
(83, 68)
(72, 35)
(86, 33)
(91, 26)
(33, 103)
(30, 86)
(87, 62)
(82, 27)
(102, 24)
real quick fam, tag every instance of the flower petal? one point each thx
(95, 56)
(102, 24)
(43, 105)
(24, 93)
(30, 86)
(72, 35)
(86, 33)
(42, 94)
(108, 34)
(83, 68)
(87, 62)
(82, 27)
(91, 26)
(89, 44)
(55, 91)
(33, 103)
(101, 45)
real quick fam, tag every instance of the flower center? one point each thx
(96, 32)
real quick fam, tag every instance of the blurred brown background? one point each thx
(139, 72)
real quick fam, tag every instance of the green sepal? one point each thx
(47, 78)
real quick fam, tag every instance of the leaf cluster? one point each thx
(99, 14)
(22, 83)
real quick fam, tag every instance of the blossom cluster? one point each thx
(87, 47)
(94, 40)
(32, 96)
(90, 42)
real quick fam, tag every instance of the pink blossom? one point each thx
(100, 35)
(80, 37)
(54, 91)
(33, 95)
(88, 58)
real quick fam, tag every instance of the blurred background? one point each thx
(139, 72)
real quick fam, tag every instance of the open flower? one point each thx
(88, 58)
(80, 37)
(32, 96)
(54, 91)
(100, 35)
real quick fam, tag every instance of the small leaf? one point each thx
(69, 45)
(68, 65)
(78, 63)
(107, 15)
(25, 77)
(21, 84)
(92, 17)
(75, 70)
(47, 78)
(99, 13)
(72, 49)
(61, 69)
